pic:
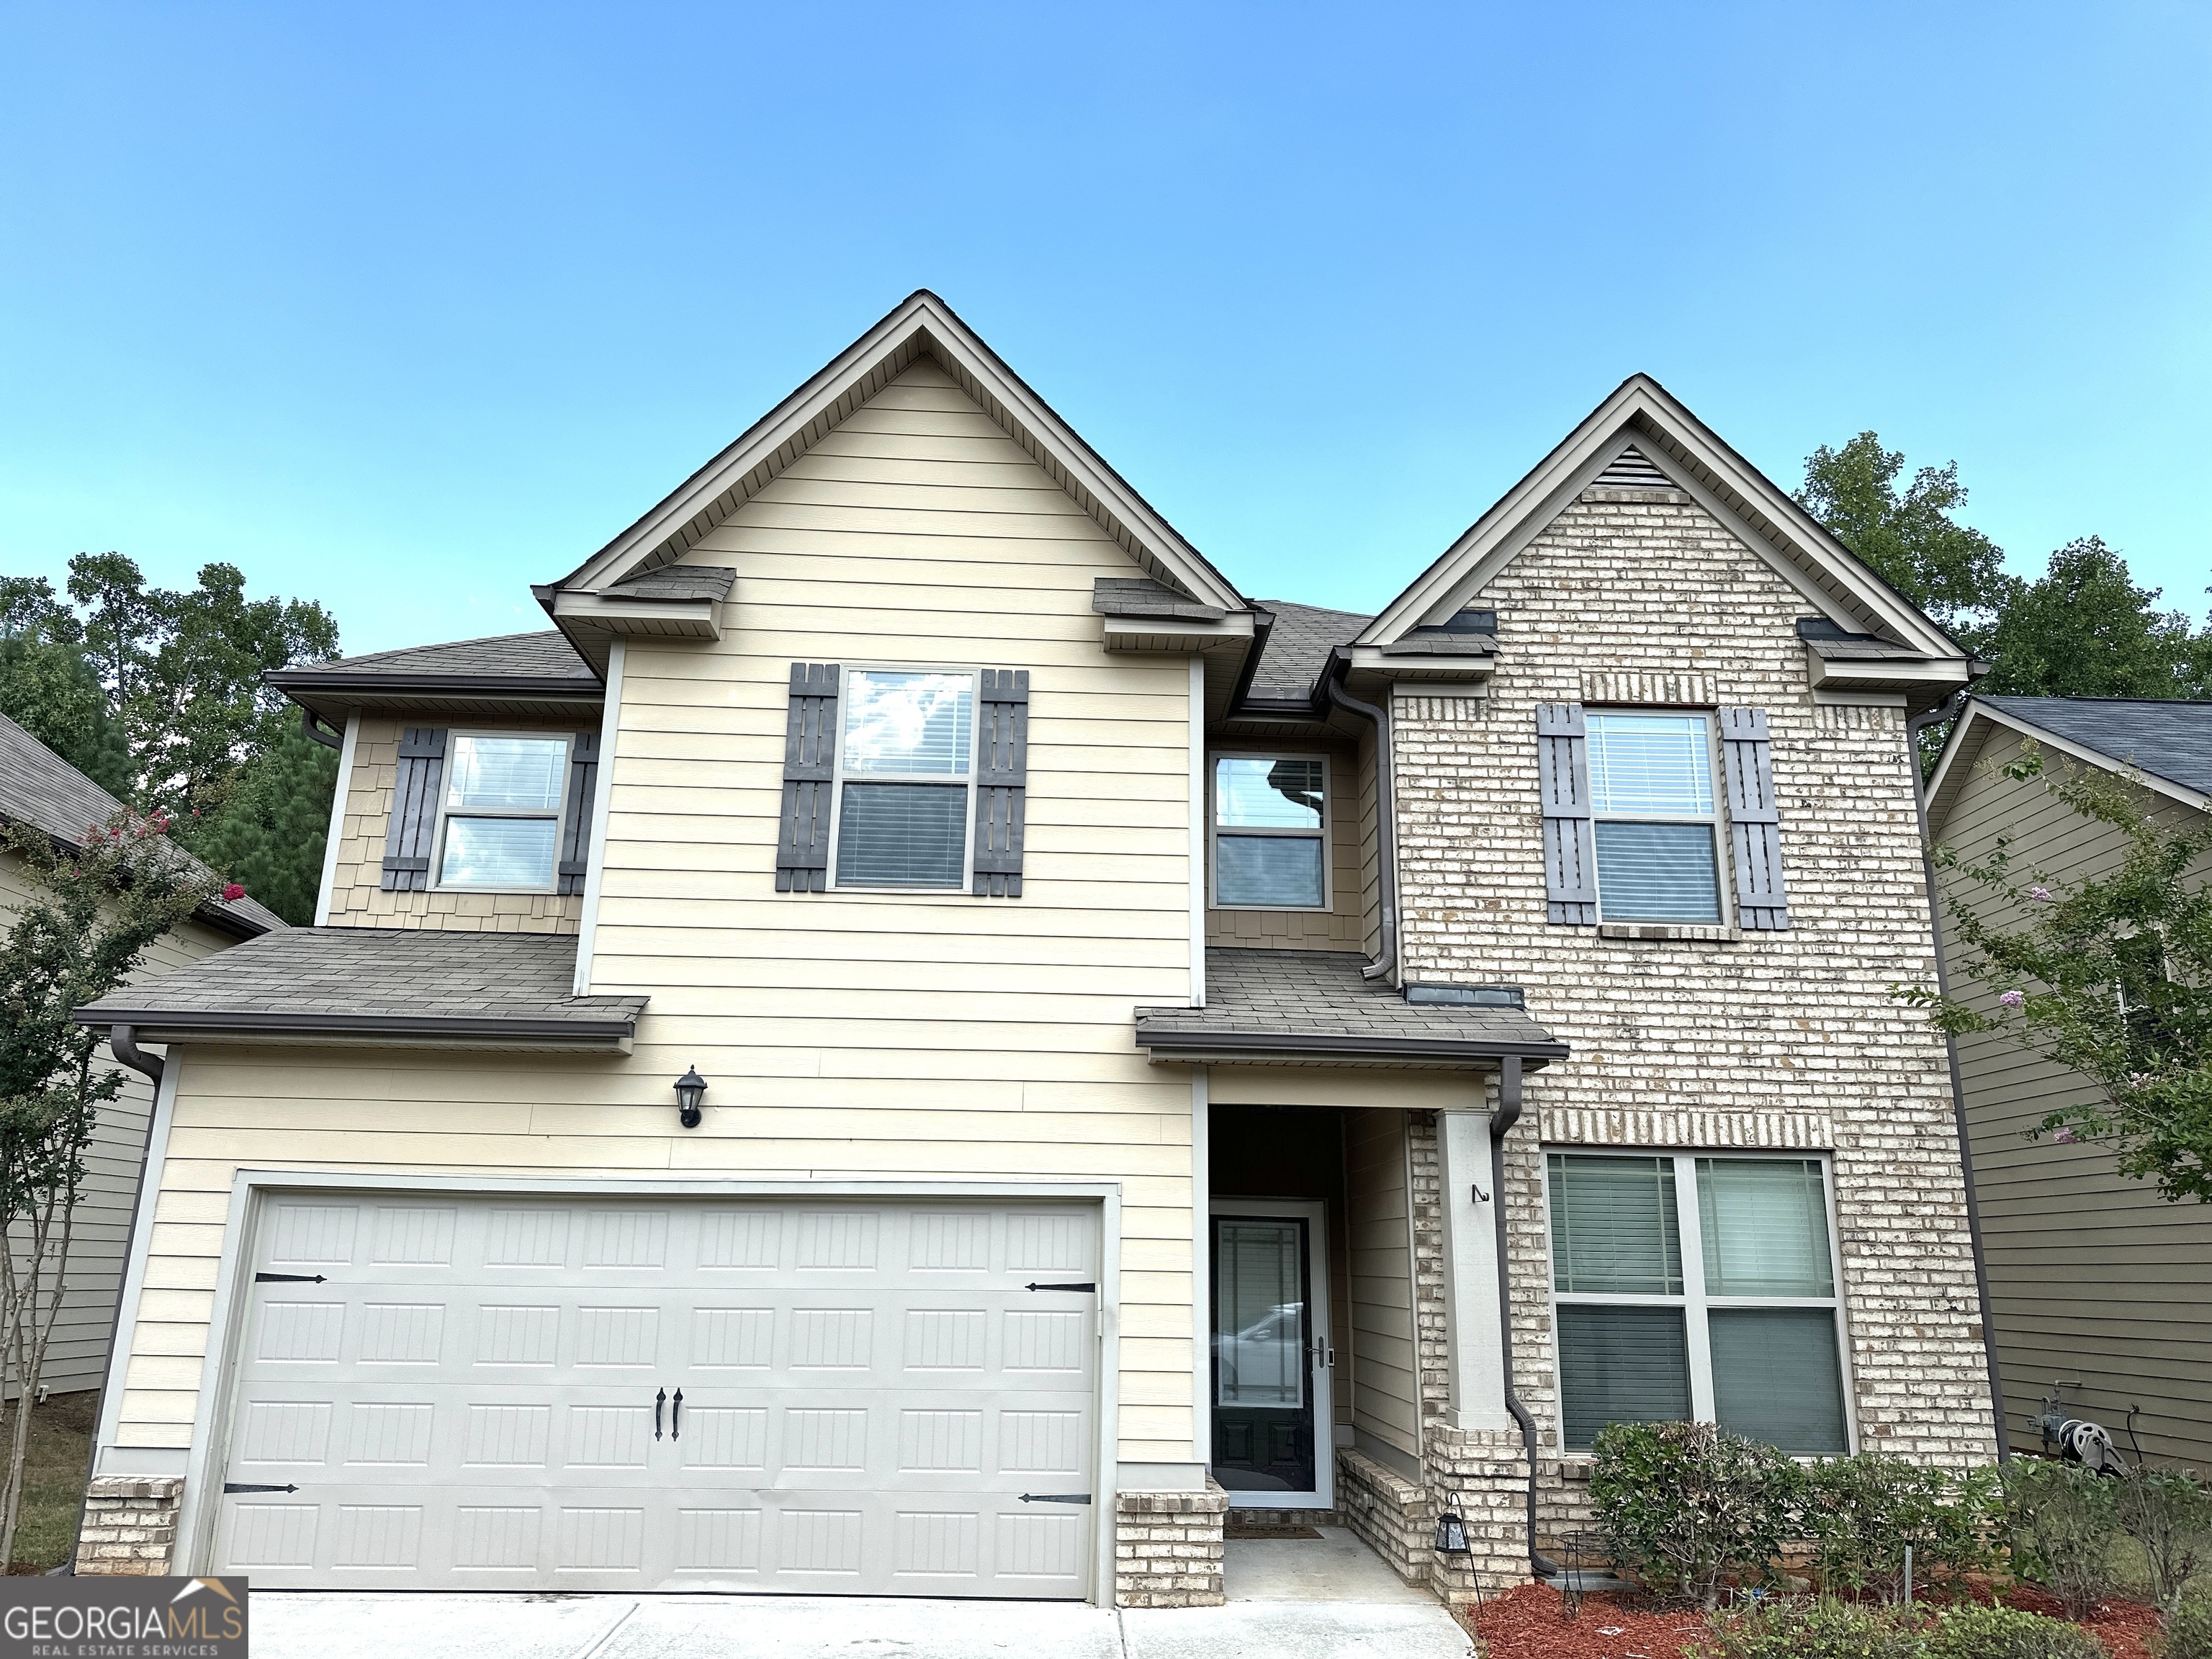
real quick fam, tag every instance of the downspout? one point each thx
(1501, 1124)
(309, 725)
(1385, 965)
(121, 1045)
(1913, 727)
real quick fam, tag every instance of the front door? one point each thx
(1271, 1356)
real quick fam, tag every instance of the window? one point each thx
(1651, 798)
(500, 821)
(1691, 1287)
(1271, 832)
(906, 760)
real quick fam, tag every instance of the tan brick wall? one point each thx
(130, 1526)
(1778, 1039)
(1168, 1548)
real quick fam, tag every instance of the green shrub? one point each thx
(1686, 1505)
(2061, 1520)
(2189, 1629)
(1819, 1630)
(1860, 1512)
(2170, 1517)
(1974, 1632)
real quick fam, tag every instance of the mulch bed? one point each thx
(1530, 1621)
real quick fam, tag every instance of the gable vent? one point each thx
(1632, 470)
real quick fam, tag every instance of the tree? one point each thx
(2110, 977)
(1952, 572)
(2086, 631)
(96, 909)
(47, 688)
(269, 823)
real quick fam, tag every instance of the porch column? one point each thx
(1470, 1239)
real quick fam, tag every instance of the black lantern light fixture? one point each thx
(1451, 1535)
(690, 1089)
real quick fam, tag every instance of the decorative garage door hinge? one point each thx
(239, 1485)
(1093, 1289)
(288, 1278)
(1055, 1497)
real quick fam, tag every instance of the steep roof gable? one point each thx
(922, 326)
(1642, 438)
(2167, 743)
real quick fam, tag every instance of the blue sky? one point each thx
(405, 307)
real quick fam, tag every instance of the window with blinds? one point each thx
(905, 771)
(499, 814)
(1271, 832)
(1690, 1286)
(1653, 817)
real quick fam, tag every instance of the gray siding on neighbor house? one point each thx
(2092, 1275)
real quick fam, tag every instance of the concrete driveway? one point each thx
(1326, 1599)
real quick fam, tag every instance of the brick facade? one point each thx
(1167, 1548)
(1770, 1040)
(130, 1526)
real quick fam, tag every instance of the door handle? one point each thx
(660, 1400)
(1324, 1357)
(675, 1416)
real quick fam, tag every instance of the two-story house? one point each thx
(921, 1042)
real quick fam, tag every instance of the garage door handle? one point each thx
(288, 1278)
(660, 1404)
(235, 1485)
(1093, 1289)
(676, 1417)
(1055, 1497)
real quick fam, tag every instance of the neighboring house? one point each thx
(2095, 1283)
(1105, 987)
(41, 791)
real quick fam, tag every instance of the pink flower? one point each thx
(233, 893)
(2014, 999)
(2066, 1138)
(2039, 891)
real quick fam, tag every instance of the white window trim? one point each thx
(1715, 821)
(1214, 827)
(975, 679)
(1694, 1302)
(560, 813)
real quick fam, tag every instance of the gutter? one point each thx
(1952, 710)
(1184, 1044)
(1385, 965)
(1501, 1124)
(621, 1028)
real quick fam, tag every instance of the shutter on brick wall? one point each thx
(414, 809)
(1002, 770)
(583, 788)
(1754, 826)
(1570, 849)
(810, 753)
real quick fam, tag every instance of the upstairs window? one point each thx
(906, 765)
(1651, 800)
(500, 814)
(1271, 832)
(1688, 1287)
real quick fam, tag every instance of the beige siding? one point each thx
(1344, 925)
(1385, 1392)
(2091, 1275)
(845, 1036)
(358, 895)
(77, 1356)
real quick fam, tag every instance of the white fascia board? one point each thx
(683, 619)
(1157, 634)
(1642, 412)
(1884, 674)
(1401, 664)
(922, 324)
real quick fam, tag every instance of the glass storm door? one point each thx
(1270, 1357)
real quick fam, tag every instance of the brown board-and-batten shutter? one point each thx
(414, 809)
(809, 755)
(576, 831)
(1754, 826)
(1570, 845)
(1002, 771)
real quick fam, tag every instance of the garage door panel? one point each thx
(468, 1399)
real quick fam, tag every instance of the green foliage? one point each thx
(47, 688)
(1825, 1629)
(1686, 1505)
(2110, 975)
(2189, 1629)
(269, 824)
(2085, 629)
(1949, 570)
(2062, 1521)
(1974, 1632)
(1861, 1511)
(2169, 1516)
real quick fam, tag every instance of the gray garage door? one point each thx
(482, 1393)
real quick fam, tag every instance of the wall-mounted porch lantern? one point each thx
(690, 1089)
(1451, 1535)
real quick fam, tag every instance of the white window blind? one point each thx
(1270, 832)
(502, 812)
(906, 759)
(1654, 824)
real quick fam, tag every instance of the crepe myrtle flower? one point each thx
(233, 893)
(2014, 999)
(2065, 1138)
(2039, 891)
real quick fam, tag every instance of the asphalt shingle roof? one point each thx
(1299, 645)
(1141, 596)
(37, 788)
(379, 980)
(2170, 739)
(526, 656)
(677, 581)
(1316, 1002)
